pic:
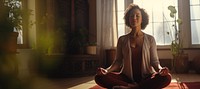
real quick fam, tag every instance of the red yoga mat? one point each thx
(173, 85)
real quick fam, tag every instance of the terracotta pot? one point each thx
(196, 64)
(91, 50)
(181, 63)
(8, 42)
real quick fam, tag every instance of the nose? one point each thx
(134, 17)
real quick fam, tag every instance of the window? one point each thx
(120, 15)
(195, 21)
(160, 21)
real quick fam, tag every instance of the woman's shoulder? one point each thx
(123, 36)
(149, 37)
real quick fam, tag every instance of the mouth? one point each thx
(134, 22)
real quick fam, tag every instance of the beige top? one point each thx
(123, 56)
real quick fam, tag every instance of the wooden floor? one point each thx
(88, 81)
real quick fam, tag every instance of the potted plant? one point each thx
(91, 48)
(77, 41)
(180, 59)
(10, 23)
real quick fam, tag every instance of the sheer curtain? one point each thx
(106, 27)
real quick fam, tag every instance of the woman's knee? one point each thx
(167, 80)
(98, 78)
(169, 77)
(101, 80)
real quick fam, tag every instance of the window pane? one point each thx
(148, 29)
(158, 33)
(193, 2)
(169, 32)
(195, 21)
(195, 12)
(158, 16)
(20, 37)
(195, 32)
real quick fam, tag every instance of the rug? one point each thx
(173, 85)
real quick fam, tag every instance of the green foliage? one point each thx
(15, 13)
(46, 43)
(12, 14)
(175, 48)
(78, 39)
(176, 45)
(5, 22)
(91, 44)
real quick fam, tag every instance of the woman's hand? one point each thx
(164, 71)
(101, 71)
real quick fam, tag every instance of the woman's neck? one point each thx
(136, 32)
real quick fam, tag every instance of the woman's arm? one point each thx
(155, 60)
(163, 71)
(154, 55)
(117, 63)
(157, 67)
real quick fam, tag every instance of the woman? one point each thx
(136, 58)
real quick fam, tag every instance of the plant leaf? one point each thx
(167, 33)
(172, 15)
(172, 9)
(179, 21)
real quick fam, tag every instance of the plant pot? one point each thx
(181, 63)
(91, 50)
(8, 42)
(196, 64)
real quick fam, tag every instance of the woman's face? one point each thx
(135, 18)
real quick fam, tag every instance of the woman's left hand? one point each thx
(164, 71)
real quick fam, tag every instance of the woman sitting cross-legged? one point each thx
(136, 58)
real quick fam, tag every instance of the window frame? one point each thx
(183, 12)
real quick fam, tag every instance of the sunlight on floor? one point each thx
(174, 80)
(85, 85)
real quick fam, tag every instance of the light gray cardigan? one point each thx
(123, 57)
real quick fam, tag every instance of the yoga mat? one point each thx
(173, 85)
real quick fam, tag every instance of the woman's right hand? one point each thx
(101, 71)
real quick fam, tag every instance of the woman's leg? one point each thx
(155, 82)
(112, 79)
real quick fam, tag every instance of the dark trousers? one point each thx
(113, 79)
